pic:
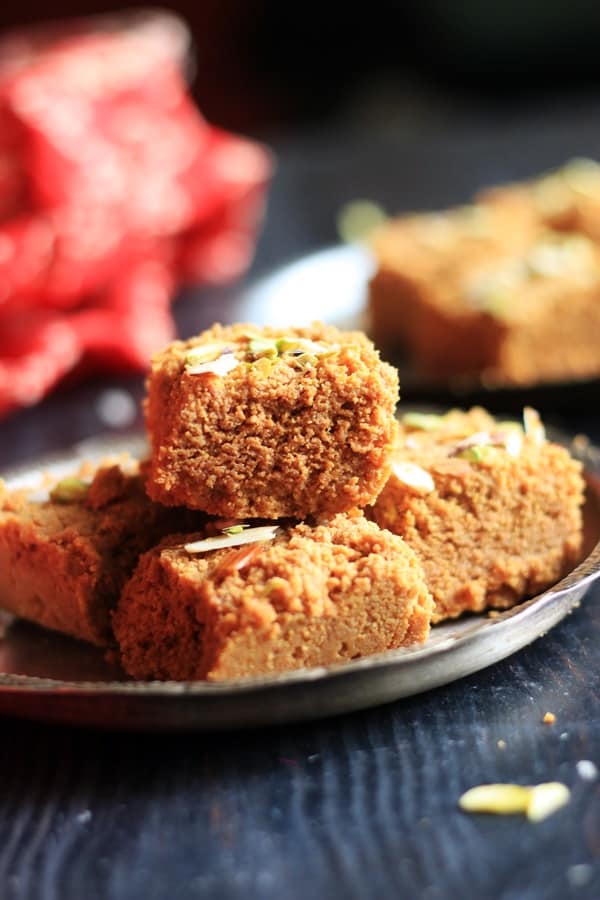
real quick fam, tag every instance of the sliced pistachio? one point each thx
(204, 353)
(234, 529)
(422, 421)
(533, 425)
(223, 364)
(414, 477)
(263, 347)
(69, 490)
(478, 453)
(502, 799)
(305, 360)
(246, 536)
(535, 801)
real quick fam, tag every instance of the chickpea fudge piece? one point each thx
(66, 551)
(512, 319)
(418, 255)
(492, 509)
(266, 423)
(566, 198)
(290, 597)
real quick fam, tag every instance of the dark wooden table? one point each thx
(364, 805)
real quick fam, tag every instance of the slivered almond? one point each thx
(414, 477)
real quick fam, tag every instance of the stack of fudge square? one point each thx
(286, 517)
(505, 290)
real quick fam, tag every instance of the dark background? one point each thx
(266, 66)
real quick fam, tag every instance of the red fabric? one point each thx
(113, 191)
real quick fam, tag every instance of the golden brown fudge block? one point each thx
(309, 596)
(66, 552)
(508, 319)
(492, 510)
(424, 253)
(266, 423)
(567, 199)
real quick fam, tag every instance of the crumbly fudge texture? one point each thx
(311, 596)
(63, 561)
(301, 425)
(492, 511)
(508, 318)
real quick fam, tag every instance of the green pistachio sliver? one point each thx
(69, 490)
(260, 347)
(478, 453)
(305, 360)
(234, 529)
(422, 421)
(206, 353)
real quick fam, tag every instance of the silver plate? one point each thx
(49, 677)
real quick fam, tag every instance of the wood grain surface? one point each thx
(360, 806)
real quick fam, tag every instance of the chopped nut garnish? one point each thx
(69, 490)
(422, 421)
(478, 439)
(259, 346)
(247, 536)
(513, 441)
(479, 453)
(533, 425)
(299, 346)
(204, 353)
(536, 801)
(414, 477)
(220, 365)
(234, 529)
(549, 718)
